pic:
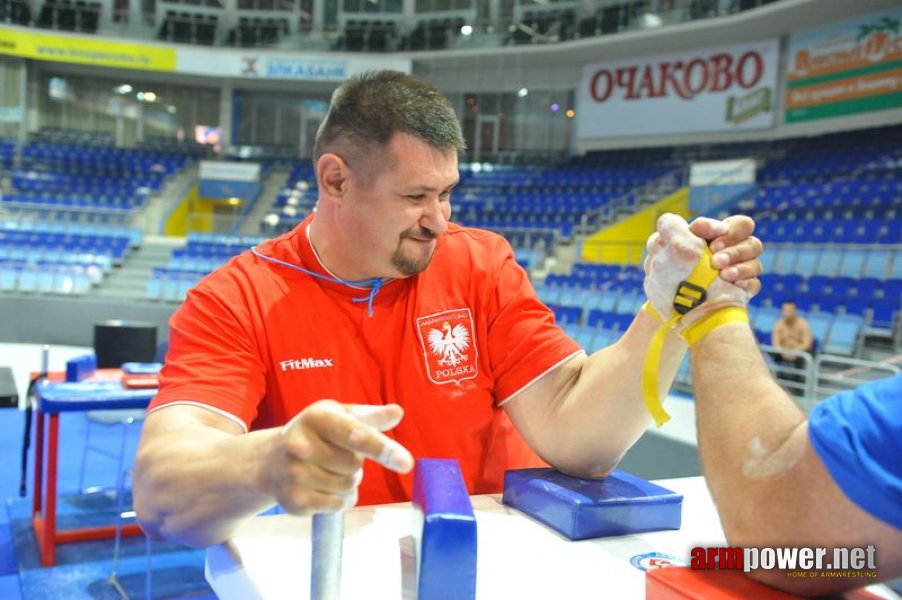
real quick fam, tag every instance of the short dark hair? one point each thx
(370, 108)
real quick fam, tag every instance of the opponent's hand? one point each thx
(316, 464)
(673, 251)
(736, 251)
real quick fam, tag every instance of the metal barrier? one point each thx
(630, 202)
(792, 369)
(813, 378)
(834, 374)
(68, 213)
(531, 237)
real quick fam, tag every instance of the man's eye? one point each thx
(416, 196)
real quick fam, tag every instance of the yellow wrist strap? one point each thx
(724, 316)
(691, 292)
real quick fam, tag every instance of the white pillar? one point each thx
(319, 16)
(226, 106)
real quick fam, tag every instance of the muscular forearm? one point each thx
(745, 424)
(770, 486)
(195, 484)
(599, 413)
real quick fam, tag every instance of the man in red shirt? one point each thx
(296, 361)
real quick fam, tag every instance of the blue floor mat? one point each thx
(83, 568)
(8, 564)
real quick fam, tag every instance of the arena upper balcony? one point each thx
(364, 25)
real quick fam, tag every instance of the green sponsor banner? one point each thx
(849, 74)
(848, 107)
(847, 67)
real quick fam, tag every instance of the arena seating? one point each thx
(375, 35)
(189, 264)
(829, 212)
(80, 177)
(65, 15)
(433, 34)
(294, 202)
(60, 258)
(543, 198)
(16, 12)
(257, 31)
(830, 221)
(7, 153)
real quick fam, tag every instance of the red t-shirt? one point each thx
(259, 341)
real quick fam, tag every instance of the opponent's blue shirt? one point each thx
(858, 435)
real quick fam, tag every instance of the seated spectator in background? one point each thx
(791, 332)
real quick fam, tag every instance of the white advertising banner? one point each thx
(723, 172)
(254, 64)
(223, 170)
(713, 89)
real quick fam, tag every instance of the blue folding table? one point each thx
(103, 392)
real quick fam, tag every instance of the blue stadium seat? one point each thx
(892, 290)
(9, 277)
(154, 289)
(804, 301)
(818, 284)
(896, 272)
(548, 295)
(806, 261)
(630, 303)
(878, 263)
(607, 300)
(852, 263)
(820, 325)
(786, 261)
(596, 318)
(844, 334)
(884, 312)
(583, 336)
(624, 320)
(28, 280)
(602, 339)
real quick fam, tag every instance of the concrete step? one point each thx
(126, 278)
(146, 262)
(129, 281)
(103, 292)
(271, 188)
(154, 250)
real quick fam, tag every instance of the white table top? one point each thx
(269, 557)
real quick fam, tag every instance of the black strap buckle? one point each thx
(688, 296)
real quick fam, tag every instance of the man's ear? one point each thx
(332, 175)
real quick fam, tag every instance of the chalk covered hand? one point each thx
(674, 252)
(686, 293)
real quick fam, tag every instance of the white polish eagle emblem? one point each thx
(449, 344)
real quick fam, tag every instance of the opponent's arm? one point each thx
(770, 486)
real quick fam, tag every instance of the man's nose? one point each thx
(435, 217)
